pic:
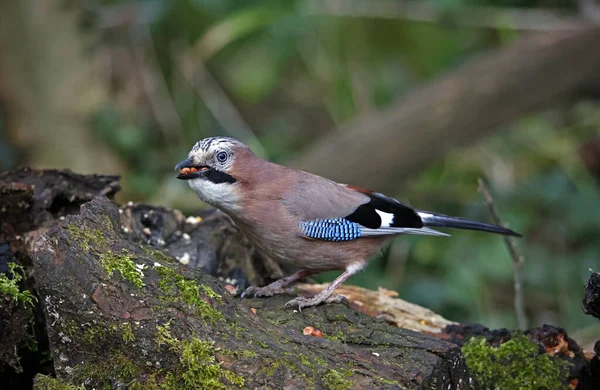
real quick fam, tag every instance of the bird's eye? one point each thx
(222, 156)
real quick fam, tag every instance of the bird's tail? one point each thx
(439, 220)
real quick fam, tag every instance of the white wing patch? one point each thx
(386, 218)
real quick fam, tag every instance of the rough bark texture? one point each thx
(207, 241)
(100, 311)
(31, 201)
(460, 107)
(14, 318)
(591, 301)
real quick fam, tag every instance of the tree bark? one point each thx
(150, 316)
(492, 90)
(121, 310)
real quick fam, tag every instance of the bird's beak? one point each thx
(187, 170)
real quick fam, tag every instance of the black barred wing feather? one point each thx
(339, 229)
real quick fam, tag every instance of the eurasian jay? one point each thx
(302, 219)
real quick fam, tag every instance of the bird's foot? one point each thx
(267, 291)
(322, 297)
(278, 286)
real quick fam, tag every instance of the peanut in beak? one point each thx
(186, 170)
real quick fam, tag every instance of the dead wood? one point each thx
(121, 310)
(133, 313)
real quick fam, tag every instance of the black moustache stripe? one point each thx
(218, 177)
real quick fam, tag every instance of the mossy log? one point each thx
(121, 313)
(137, 297)
(31, 201)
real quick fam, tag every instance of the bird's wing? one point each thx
(383, 215)
(327, 210)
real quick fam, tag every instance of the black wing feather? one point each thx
(367, 216)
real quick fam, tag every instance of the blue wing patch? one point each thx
(339, 229)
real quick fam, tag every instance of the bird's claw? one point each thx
(249, 290)
(267, 291)
(303, 302)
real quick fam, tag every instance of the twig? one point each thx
(512, 250)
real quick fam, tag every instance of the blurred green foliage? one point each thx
(293, 74)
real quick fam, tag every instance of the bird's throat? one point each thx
(222, 195)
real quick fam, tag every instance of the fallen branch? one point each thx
(122, 310)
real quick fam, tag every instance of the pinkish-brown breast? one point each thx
(275, 199)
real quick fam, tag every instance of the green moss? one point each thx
(178, 288)
(339, 336)
(103, 330)
(516, 364)
(127, 332)
(69, 328)
(385, 381)
(199, 368)
(125, 368)
(261, 344)
(124, 330)
(235, 329)
(124, 264)
(86, 238)
(108, 365)
(116, 367)
(9, 287)
(90, 334)
(107, 222)
(270, 367)
(114, 364)
(163, 335)
(321, 362)
(157, 255)
(45, 382)
(306, 361)
(211, 293)
(149, 383)
(334, 380)
(289, 361)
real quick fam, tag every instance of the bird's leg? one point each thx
(327, 295)
(277, 287)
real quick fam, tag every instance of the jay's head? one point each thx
(211, 168)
